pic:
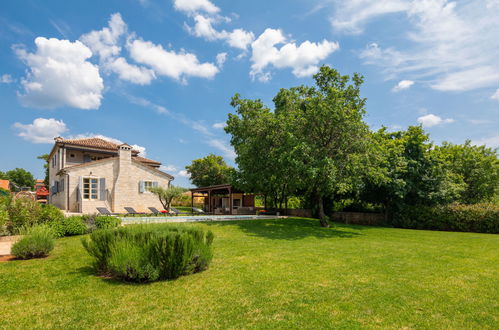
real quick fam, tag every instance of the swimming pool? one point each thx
(194, 218)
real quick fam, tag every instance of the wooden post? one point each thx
(192, 202)
(230, 200)
(209, 202)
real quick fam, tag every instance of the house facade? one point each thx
(88, 173)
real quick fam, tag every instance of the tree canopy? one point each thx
(209, 170)
(20, 177)
(167, 195)
(311, 142)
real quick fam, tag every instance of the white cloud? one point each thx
(479, 121)
(221, 58)
(219, 125)
(169, 63)
(491, 142)
(41, 130)
(168, 168)
(105, 43)
(203, 28)
(495, 96)
(403, 84)
(192, 6)
(183, 173)
(221, 145)
(6, 79)
(303, 59)
(60, 75)
(433, 120)
(449, 45)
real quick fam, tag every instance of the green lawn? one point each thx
(276, 273)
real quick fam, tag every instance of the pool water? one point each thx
(194, 218)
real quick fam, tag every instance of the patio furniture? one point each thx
(176, 211)
(105, 211)
(198, 211)
(155, 211)
(131, 210)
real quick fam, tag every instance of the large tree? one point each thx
(475, 167)
(405, 171)
(21, 178)
(210, 170)
(314, 141)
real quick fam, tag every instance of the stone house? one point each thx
(88, 173)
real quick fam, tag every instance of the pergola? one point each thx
(210, 191)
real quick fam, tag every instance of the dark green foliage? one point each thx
(74, 225)
(210, 170)
(480, 218)
(37, 243)
(145, 253)
(4, 213)
(50, 213)
(23, 212)
(21, 178)
(106, 222)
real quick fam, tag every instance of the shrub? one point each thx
(73, 225)
(145, 253)
(23, 212)
(37, 243)
(480, 218)
(4, 214)
(50, 213)
(107, 222)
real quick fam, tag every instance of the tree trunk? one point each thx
(322, 215)
(265, 202)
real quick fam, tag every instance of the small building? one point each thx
(224, 199)
(85, 174)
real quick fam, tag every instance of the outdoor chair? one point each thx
(131, 210)
(176, 211)
(105, 211)
(198, 211)
(155, 211)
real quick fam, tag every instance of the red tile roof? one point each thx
(146, 160)
(97, 143)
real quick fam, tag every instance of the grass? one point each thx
(270, 274)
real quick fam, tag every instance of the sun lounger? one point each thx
(177, 212)
(155, 211)
(105, 211)
(131, 210)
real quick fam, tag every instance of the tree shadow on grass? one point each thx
(292, 229)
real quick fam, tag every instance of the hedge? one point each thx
(479, 218)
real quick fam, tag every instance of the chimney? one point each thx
(58, 139)
(125, 153)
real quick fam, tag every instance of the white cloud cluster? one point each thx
(491, 141)
(450, 45)
(170, 63)
(403, 84)
(60, 75)
(106, 44)
(302, 59)
(203, 28)
(41, 130)
(433, 120)
(6, 79)
(193, 6)
(495, 96)
(219, 125)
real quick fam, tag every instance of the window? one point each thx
(90, 188)
(147, 185)
(95, 158)
(54, 161)
(236, 203)
(72, 155)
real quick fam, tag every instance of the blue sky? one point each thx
(159, 74)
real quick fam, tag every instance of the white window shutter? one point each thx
(141, 187)
(79, 191)
(155, 184)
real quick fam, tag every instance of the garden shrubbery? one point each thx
(480, 218)
(106, 222)
(37, 242)
(145, 253)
